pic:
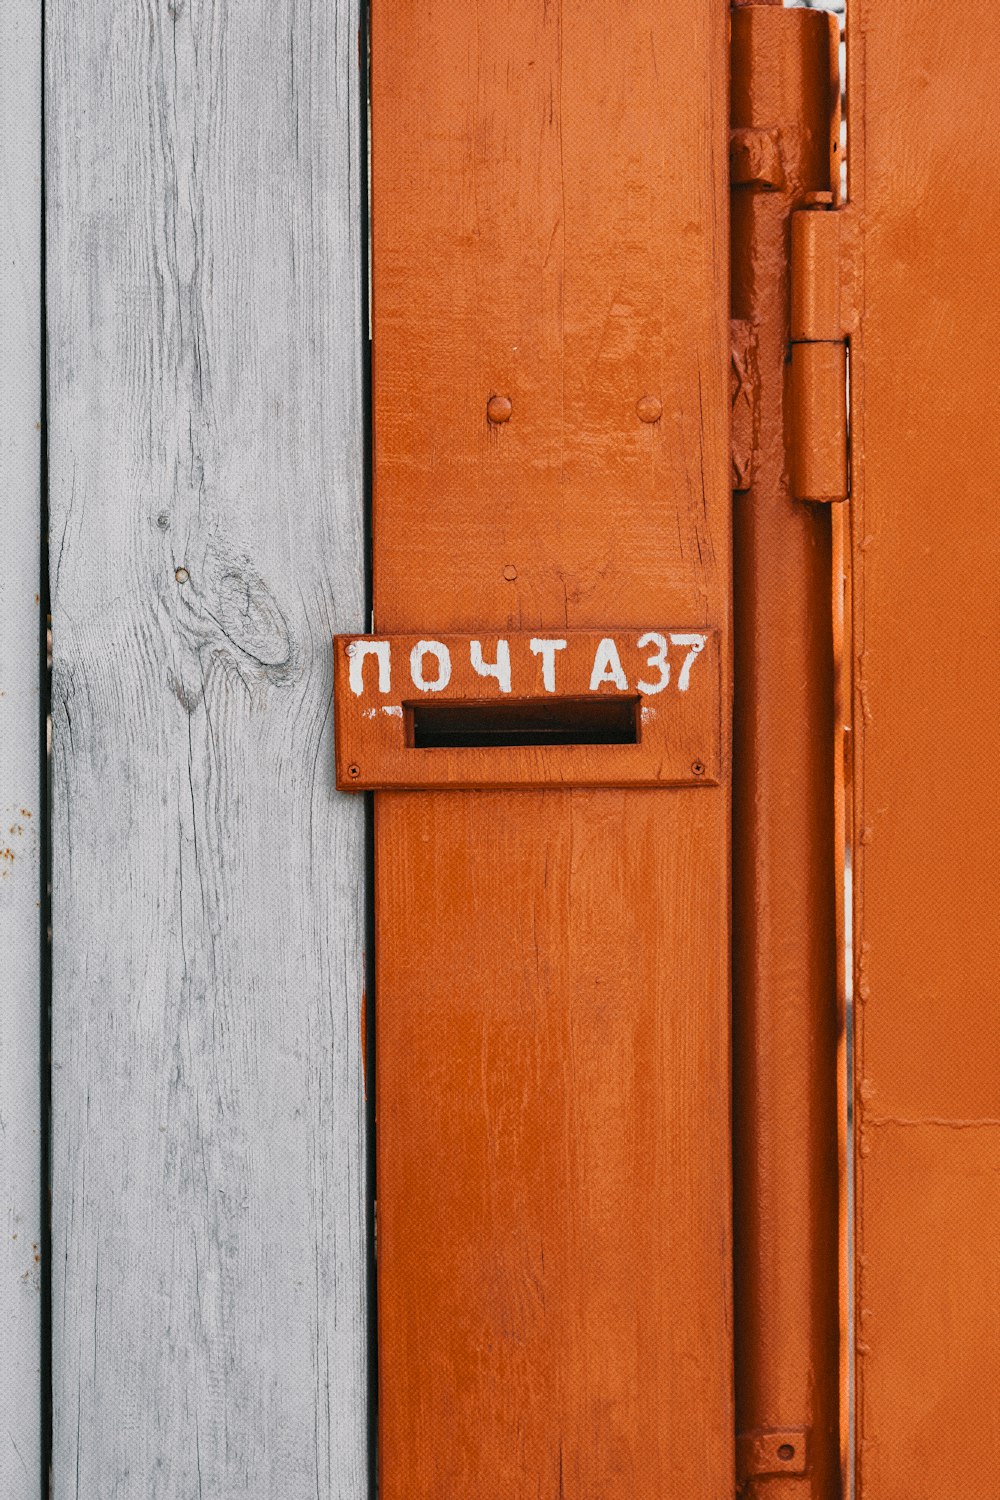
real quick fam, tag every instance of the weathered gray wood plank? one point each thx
(20, 830)
(205, 336)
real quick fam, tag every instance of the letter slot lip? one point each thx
(616, 707)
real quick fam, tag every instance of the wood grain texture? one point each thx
(927, 807)
(552, 1015)
(20, 677)
(205, 336)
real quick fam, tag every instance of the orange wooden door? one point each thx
(551, 454)
(922, 156)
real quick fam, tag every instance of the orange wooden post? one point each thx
(552, 454)
(785, 118)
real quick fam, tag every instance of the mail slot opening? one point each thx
(531, 721)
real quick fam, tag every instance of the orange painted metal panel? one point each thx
(930, 1334)
(551, 452)
(923, 163)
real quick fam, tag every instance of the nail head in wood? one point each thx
(498, 409)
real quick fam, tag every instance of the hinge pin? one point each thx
(818, 386)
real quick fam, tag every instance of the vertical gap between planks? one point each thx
(368, 1040)
(842, 770)
(845, 770)
(45, 803)
(370, 1128)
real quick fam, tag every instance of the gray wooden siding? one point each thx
(20, 821)
(206, 469)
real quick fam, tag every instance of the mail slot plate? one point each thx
(576, 708)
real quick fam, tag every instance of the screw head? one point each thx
(182, 575)
(649, 408)
(698, 768)
(510, 572)
(786, 1452)
(354, 772)
(498, 409)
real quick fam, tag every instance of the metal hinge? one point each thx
(817, 408)
(765, 1454)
